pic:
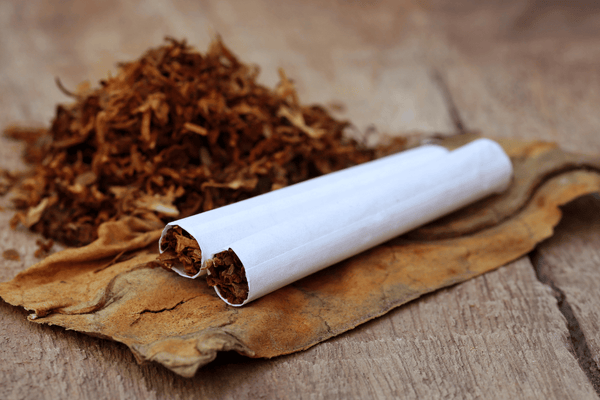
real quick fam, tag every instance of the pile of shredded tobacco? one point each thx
(180, 249)
(174, 133)
(226, 272)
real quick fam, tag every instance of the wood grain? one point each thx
(570, 263)
(529, 72)
(498, 336)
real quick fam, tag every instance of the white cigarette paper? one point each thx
(216, 229)
(315, 226)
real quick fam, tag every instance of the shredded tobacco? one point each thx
(174, 133)
(226, 272)
(7, 181)
(44, 248)
(180, 248)
(11, 254)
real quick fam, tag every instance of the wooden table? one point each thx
(520, 69)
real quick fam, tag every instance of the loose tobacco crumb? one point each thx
(11, 254)
(174, 133)
(44, 248)
(7, 180)
(226, 272)
(180, 248)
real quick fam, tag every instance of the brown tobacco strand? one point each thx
(7, 181)
(180, 248)
(226, 272)
(44, 247)
(174, 133)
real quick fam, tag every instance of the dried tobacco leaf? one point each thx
(182, 324)
(175, 133)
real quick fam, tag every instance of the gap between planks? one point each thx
(580, 348)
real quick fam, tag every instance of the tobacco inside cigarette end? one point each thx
(180, 249)
(227, 274)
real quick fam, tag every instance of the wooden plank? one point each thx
(517, 77)
(570, 263)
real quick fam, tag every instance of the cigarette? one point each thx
(327, 223)
(187, 244)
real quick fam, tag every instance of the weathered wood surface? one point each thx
(512, 69)
(524, 68)
(570, 263)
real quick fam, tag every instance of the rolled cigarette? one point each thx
(317, 234)
(210, 232)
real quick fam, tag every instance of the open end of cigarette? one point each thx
(180, 249)
(226, 273)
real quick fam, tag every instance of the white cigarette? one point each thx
(317, 234)
(216, 229)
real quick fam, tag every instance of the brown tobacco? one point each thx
(226, 272)
(44, 248)
(7, 180)
(180, 248)
(174, 133)
(11, 254)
